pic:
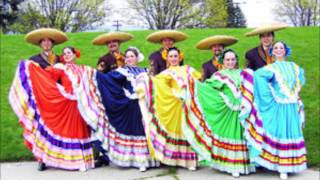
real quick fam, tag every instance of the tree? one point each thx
(28, 20)
(216, 14)
(66, 15)
(299, 12)
(219, 13)
(165, 14)
(235, 15)
(9, 13)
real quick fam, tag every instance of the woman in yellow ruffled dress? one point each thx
(162, 105)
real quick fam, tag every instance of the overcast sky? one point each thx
(257, 12)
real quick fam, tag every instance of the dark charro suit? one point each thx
(157, 63)
(208, 69)
(110, 62)
(256, 58)
(41, 59)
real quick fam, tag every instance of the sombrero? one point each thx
(35, 36)
(177, 36)
(207, 43)
(266, 28)
(104, 38)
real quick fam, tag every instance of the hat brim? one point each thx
(34, 37)
(103, 39)
(266, 29)
(207, 43)
(157, 37)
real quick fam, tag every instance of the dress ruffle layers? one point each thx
(273, 115)
(115, 117)
(162, 108)
(213, 127)
(54, 130)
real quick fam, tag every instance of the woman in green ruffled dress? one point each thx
(212, 119)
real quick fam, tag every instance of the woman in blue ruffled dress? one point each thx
(124, 138)
(273, 114)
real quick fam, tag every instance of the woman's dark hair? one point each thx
(75, 51)
(174, 49)
(224, 52)
(135, 52)
(71, 48)
(286, 48)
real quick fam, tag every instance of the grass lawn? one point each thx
(305, 52)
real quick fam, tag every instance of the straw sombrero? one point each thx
(104, 38)
(266, 28)
(207, 43)
(35, 36)
(177, 36)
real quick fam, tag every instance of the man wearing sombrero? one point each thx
(46, 38)
(259, 56)
(114, 58)
(216, 44)
(166, 38)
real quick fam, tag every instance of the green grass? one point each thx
(305, 52)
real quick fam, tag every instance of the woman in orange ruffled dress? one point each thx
(46, 104)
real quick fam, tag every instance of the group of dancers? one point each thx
(76, 117)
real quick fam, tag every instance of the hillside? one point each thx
(305, 52)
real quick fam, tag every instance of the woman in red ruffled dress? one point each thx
(46, 104)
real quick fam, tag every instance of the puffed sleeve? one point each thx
(141, 84)
(261, 82)
(213, 82)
